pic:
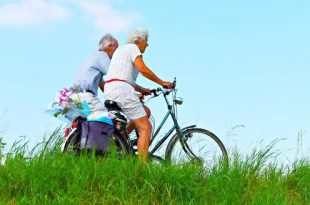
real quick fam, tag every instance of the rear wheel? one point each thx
(71, 143)
(117, 147)
(198, 145)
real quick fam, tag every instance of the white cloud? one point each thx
(37, 12)
(105, 17)
(31, 12)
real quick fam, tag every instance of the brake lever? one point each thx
(174, 82)
(155, 94)
(154, 91)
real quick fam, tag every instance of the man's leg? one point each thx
(144, 128)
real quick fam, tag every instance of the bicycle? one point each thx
(182, 146)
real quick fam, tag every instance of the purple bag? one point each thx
(96, 135)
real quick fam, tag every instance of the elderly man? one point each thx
(91, 73)
(121, 85)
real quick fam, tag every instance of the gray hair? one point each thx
(106, 41)
(141, 33)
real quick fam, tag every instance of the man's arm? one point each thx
(101, 86)
(139, 88)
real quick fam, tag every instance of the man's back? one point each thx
(92, 70)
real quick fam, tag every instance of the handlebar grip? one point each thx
(173, 85)
(145, 94)
(165, 87)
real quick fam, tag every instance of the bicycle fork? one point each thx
(185, 146)
(182, 138)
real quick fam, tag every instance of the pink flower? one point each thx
(66, 104)
(62, 94)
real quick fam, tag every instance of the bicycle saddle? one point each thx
(112, 105)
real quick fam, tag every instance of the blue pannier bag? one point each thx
(95, 136)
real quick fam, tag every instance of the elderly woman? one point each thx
(120, 85)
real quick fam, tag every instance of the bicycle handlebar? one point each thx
(155, 92)
(173, 84)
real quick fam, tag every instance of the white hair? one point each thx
(106, 41)
(141, 33)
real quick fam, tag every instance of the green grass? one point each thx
(48, 177)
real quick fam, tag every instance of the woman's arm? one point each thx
(146, 72)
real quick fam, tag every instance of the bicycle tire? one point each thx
(122, 147)
(156, 159)
(72, 144)
(176, 153)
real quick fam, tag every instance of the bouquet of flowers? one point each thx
(66, 108)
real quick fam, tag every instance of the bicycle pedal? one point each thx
(134, 142)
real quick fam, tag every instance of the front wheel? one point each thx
(197, 145)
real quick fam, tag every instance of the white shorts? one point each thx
(92, 100)
(125, 96)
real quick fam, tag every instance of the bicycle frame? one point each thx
(176, 127)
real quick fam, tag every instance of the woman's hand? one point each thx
(167, 84)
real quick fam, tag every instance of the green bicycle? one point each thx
(186, 144)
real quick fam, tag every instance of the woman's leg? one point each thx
(144, 128)
(130, 125)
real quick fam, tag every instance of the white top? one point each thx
(122, 64)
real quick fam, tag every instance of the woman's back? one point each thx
(122, 64)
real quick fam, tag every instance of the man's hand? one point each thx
(101, 86)
(146, 91)
(140, 96)
(167, 84)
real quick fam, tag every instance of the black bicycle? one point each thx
(188, 144)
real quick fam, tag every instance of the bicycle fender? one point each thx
(188, 127)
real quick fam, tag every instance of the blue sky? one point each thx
(242, 64)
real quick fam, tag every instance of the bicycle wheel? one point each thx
(117, 146)
(71, 143)
(205, 146)
(155, 159)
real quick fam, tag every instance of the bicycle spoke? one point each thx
(198, 146)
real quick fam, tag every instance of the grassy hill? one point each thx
(49, 177)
